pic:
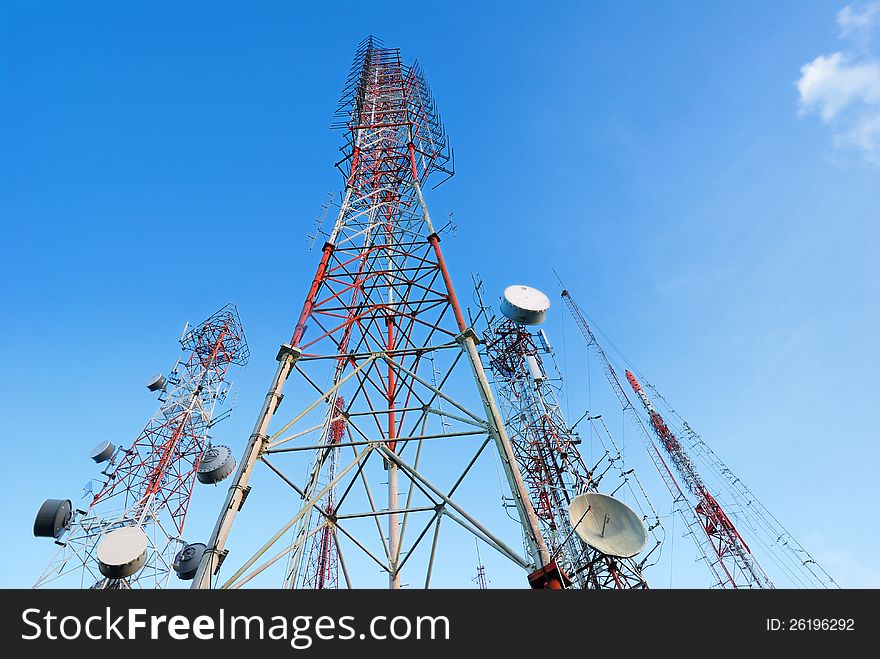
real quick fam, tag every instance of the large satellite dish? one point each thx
(525, 305)
(122, 552)
(607, 525)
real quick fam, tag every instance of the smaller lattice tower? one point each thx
(322, 567)
(546, 447)
(131, 533)
(714, 512)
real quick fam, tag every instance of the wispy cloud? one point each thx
(858, 21)
(844, 87)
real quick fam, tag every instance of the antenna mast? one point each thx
(735, 559)
(727, 567)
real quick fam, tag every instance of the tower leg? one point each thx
(393, 528)
(287, 357)
(534, 538)
(537, 547)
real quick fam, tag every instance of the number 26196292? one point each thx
(811, 624)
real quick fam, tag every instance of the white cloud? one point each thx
(844, 87)
(863, 135)
(858, 21)
(832, 84)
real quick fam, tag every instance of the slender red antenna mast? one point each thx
(720, 545)
(733, 554)
(746, 510)
(322, 568)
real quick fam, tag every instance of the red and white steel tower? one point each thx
(322, 567)
(146, 488)
(380, 328)
(736, 564)
(792, 564)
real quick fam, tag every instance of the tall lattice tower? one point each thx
(547, 449)
(131, 534)
(380, 329)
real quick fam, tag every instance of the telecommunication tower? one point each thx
(380, 328)
(779, 547)
(546, 448)
(480, 578)
(131, 533)
(737, 566)
(322, 568)
(727, 568)
(709, 519)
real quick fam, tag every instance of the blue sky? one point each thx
(702, 175)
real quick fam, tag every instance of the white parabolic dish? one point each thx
(122, 552)
(525, 305)
(607, 524)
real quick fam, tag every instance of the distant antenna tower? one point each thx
(735, 565)
(320, 545)
(480, 578)
(131, 534)
(783, 550)
(547, 452)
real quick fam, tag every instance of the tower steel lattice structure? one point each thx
(149, 484)
(781, 550)
(735, 558)
(322, 568)
(547, 451)
(720, 545)
(381, 328)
